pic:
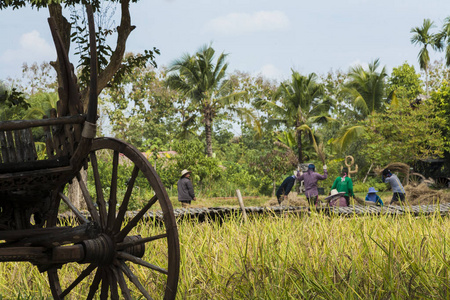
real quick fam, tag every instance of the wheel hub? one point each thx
(100, 250)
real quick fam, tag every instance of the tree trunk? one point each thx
(208, 135)
(115, 63)
(299, 145)
(104, 77)
(208, 131)
(74, 192)
(64, 30)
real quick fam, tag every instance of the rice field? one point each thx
(294, 257)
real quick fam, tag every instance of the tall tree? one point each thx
(366, 89)
(423, 37)
(203, 82)
(141, 109)
(300, 106)
(111, 62)
(405, 82)
(443, 40)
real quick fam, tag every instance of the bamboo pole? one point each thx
(241, 204)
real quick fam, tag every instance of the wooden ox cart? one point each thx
(100, 253)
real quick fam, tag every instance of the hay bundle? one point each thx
(422, 194)
(395, 167)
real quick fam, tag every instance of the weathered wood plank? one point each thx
(10, 146)
(19, 149)
(5, 156)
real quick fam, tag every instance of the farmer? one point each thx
(373, 197)
(310, 179)
(286, 187)
(336, 199)
(185, 189)
(396, 185)
(344, 184)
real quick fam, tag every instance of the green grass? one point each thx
(294, 257)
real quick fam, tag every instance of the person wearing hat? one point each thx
(286, 187)
(336, 199)
(344, 184)
(396, 185)
(310, 179)
(373, 197)
(185, 189)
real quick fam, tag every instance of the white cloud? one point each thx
(241, 23)
(32, 48)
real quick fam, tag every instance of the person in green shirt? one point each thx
(344, 184)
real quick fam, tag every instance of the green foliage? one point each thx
(191, 156)
(272, 165)
(16, 4)
(441, 100)
(366, 88)
(298, 104)
(141, 110)
(405, 82)
(360, 187)
(402, 134)
(12, 104)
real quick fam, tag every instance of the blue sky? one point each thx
(260, 36)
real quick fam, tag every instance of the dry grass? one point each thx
(394, 167)
(422, 194)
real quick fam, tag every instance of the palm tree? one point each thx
(443, 39)
(366, 88)
(204, 83)
(424, 38)
(300, 107)
(367, 91)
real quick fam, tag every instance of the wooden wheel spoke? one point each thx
(139, 261)
(113, 193)
(121, 246)
(133, 222)
(83, 275)
(95, 283)
(98, 187)
(112, 283)
(105, 286)
(77, 213)
(126, 199)
(88, 199)
(123, 266)
(121, 278)
(123, 285)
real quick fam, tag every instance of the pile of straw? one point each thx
(293, 200)
(422, 194)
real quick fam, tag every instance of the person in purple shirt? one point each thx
(310, 179)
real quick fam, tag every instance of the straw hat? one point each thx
(334, 194)
(184, 172)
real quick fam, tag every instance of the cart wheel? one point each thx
(129, 257)
(415, 179)
(442, 182)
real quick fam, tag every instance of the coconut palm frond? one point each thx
(350, 135)
(287, 138)
(319, 149)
